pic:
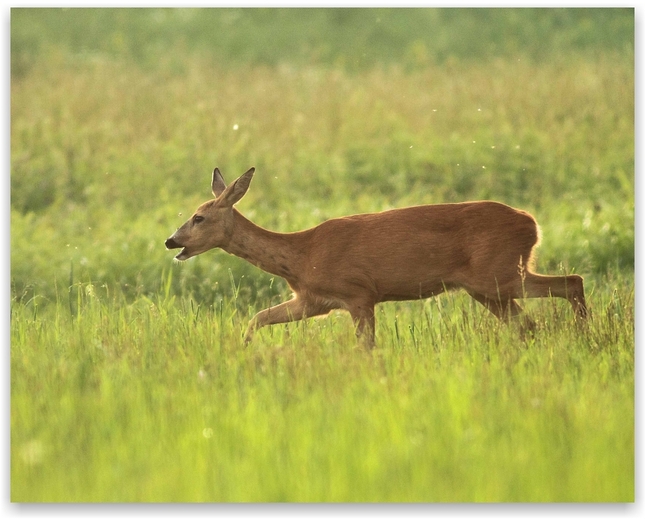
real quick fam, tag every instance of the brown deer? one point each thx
(354, 262)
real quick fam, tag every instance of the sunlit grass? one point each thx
(452, 405)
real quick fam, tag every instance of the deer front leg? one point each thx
(292, 310)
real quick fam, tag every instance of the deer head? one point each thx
(211, 225)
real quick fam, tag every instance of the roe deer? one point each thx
(354, 262)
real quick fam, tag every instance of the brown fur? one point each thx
(354, 262)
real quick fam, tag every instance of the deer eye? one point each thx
(198, 219)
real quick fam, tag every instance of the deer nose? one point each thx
(172, 244)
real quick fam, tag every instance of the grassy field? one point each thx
(129, 379)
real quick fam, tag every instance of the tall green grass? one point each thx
(158, 400)
(129, 380)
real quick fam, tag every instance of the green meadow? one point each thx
(130, 381)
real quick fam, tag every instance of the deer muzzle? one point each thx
(172, 244)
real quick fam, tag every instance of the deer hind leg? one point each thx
(293, 310)
(363, 315)
(501, 308)
(505, 309)
(570, 288)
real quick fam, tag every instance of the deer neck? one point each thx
(273, 252)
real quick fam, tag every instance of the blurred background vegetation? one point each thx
(353, 39)
(119, 115)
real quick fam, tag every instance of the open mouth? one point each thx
(183, 254)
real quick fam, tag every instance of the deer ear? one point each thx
(217, 184)
(236, 190)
